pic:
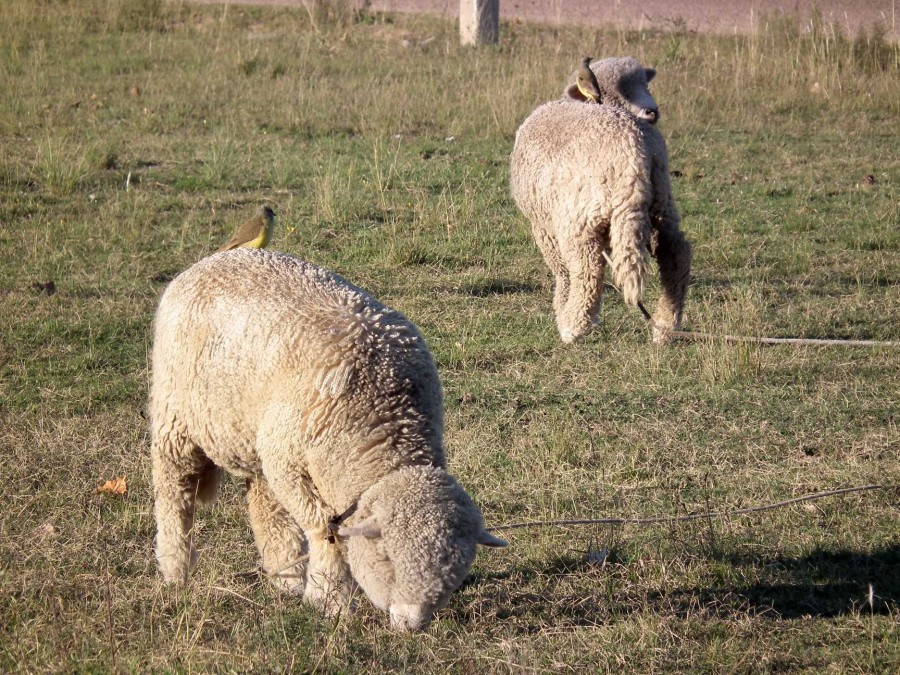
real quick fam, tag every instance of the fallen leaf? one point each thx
(116, 486)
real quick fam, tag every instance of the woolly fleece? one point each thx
(592, 178)
(293, 378)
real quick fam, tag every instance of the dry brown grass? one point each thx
(383, 147)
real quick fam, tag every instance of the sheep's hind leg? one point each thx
(550, 250)
(584, 259)
(629, 235)
(278, 538)
(180, 472)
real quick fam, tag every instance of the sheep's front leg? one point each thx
(328, 581)
(177, 468)
(583, 256)
(278, 537)
(329, 584)
(673, 254)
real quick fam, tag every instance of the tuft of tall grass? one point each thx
(720, 362)
(62, 165)
(337, 17)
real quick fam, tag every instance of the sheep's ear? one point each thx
(369, 528)
(487, 539)
(572, 92)
(651, 73)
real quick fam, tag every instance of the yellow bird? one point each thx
(587, 83)
(255, 233)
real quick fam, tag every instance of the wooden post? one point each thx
(479, 22)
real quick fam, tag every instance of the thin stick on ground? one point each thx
(691, 516)
(692, 335)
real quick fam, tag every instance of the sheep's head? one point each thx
(623, 82)
(412, 541)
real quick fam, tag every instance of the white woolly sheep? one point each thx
(592, 178)
(326, 401)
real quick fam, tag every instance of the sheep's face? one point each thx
(414, 544)
(623, 82)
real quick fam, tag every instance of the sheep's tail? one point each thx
(628, 239)
(208, 482)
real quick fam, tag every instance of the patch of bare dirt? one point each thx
(712, 16)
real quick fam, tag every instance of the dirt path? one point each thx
(717, 16)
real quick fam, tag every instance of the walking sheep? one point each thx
(592, 178)
(329, 404)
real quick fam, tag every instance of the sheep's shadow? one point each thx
(878, 282)
(569, 592)
(497, 287)
(164, 276)
(821, 584)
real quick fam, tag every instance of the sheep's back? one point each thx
(246, 331)
(576, 160)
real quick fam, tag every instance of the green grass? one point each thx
(383, 147)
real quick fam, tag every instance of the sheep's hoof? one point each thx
(662, 336)
(176, 568)
(571, 335)
(289, 584)
(175, 580)
(330, 602)
(331, 606)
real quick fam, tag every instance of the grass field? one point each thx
(134, 136)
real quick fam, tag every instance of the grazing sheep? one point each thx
(592, 178)
(329, 404)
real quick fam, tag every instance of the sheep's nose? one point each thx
(409, 618)
(651, 115)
